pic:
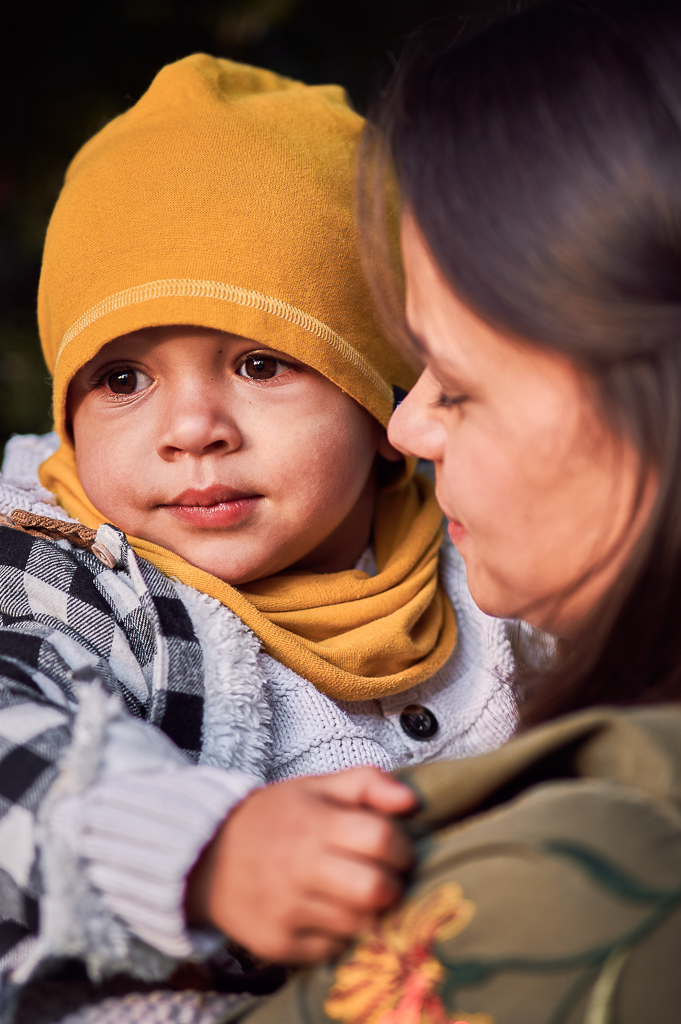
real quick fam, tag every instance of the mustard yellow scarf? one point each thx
(355, 637)
(228, 158)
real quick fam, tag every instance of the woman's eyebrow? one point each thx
(449, 369)
(449, 376)
(453, 382)
(416, 339)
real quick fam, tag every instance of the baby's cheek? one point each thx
(108, 483)
(322, 458)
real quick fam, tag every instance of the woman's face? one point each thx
(538, 491)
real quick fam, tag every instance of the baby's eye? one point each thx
(127, 382)
(261, 368)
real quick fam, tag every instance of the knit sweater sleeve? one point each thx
(101, 814)
(129, 727)
(125, 821)
(103, 808)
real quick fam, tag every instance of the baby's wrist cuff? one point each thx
(139, 835)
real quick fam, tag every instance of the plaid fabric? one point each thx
(160, 1007)
(63, 616)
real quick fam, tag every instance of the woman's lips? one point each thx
(212, 508)
(456, 531)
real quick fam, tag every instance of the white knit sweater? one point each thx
(469, 697)
(147, 815)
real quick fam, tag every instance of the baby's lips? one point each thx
(217, 516)
(205, 497)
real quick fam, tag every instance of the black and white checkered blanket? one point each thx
(64, 615)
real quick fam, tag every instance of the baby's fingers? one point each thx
(310, 948)
(370, 787)
(338, 920)
(294, 946)
(361, 886)
(368, 836)
(312, 929)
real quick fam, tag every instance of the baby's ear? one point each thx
(386, 450)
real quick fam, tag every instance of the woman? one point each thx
(541, 238)
(540, 169)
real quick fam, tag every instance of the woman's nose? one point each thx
(198, 423)
(412, 428)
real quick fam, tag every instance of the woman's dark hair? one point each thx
(541, 159)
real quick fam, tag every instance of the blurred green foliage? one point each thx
(66, 69)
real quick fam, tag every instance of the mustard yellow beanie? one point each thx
(225, 198)
(222, 199)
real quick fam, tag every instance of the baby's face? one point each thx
(240, 459)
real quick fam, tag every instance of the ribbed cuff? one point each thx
(139, 834)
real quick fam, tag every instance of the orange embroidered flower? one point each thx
(392, 976)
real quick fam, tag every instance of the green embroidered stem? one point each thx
(601, 1004)
(462, 974)
(605, 873)
(568, 1002)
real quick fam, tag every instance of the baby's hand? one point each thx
(301, 866)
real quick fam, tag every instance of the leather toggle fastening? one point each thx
(58, 529)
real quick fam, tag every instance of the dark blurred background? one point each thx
(68, 68)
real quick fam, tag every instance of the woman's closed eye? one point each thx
(262, 367)
(449, 401)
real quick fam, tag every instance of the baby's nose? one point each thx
(197, 427)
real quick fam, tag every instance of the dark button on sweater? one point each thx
(418, 722)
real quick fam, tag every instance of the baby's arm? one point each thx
(301, 866)
(101, 818)
(101, 814)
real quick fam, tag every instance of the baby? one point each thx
(234, 578)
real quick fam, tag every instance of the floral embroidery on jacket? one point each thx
(392, 976)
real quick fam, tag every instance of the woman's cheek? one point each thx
(481, 504)
(467, 489)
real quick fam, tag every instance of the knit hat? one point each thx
(224, 199)
(150, 231)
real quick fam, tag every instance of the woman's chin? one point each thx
(489, 594)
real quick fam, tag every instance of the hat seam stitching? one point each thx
(189, 287)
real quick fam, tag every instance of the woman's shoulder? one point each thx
(569, 863)
(547, 887)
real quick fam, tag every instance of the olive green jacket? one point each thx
(547, 890)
